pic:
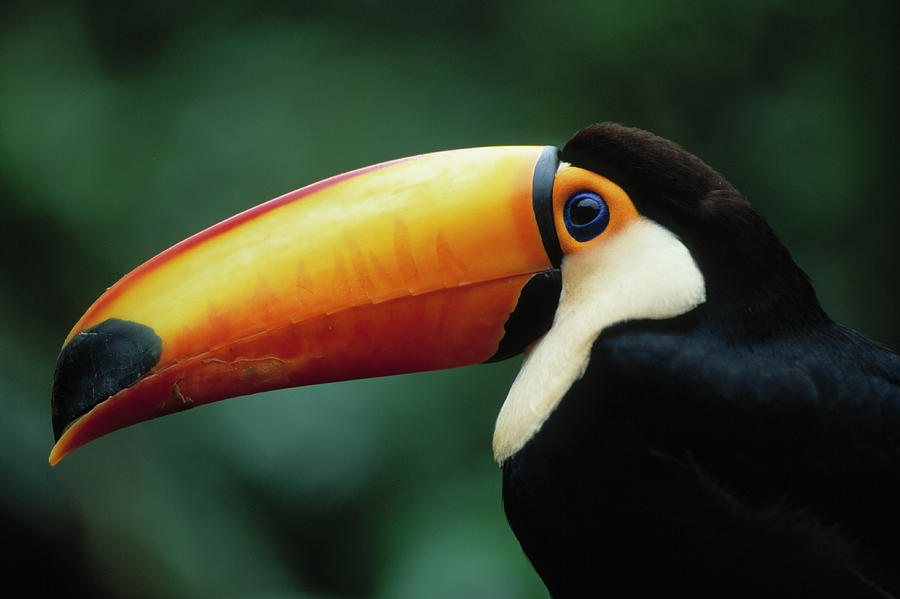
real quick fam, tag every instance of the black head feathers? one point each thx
(741, 258)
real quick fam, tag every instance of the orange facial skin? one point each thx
(405, 266)
(571, 180)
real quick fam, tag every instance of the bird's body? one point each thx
(688, 421)
(685, 464)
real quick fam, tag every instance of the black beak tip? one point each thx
(98, 363)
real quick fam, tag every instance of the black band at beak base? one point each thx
(542, 202)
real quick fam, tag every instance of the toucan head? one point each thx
(422, 263)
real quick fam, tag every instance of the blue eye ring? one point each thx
(586, 215)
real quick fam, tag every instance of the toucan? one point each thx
(687, 420)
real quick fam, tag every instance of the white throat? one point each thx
(643, 271)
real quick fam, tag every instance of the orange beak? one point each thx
(415, 264)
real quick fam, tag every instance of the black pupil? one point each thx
(584, 211)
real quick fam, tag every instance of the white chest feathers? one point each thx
(643, 271)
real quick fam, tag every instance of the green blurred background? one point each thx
(124, 128)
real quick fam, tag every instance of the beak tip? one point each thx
(57, 452)
(95, 365)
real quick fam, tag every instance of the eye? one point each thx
(586, 215)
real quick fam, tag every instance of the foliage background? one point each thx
(125, 127)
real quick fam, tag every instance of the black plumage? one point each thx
(748, 448)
